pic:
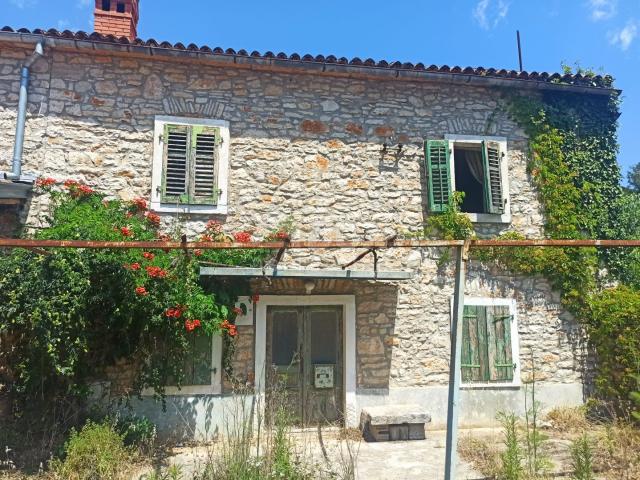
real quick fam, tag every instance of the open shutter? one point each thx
(204, 154)
(492, 158)
(499, 322)
(437, 170)
(474, 360)
(175, 165)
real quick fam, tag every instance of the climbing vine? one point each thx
(69, 313)
(573, 149)
(572, 162)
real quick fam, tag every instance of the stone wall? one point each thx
(309, 147)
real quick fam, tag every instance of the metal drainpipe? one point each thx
(16, 170)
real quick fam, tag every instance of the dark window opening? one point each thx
(120, 7)
(106, 5)
(469, 177)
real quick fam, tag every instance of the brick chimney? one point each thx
(116, 17)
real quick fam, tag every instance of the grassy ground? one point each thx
(614, 446)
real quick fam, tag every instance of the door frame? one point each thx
(348, 302)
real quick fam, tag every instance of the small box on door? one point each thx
(323, 376)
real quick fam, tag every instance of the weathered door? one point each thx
(304, 352)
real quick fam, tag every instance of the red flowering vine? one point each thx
(141, 291)
(237, 310)
(148, 255)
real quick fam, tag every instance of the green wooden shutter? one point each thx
(500, 352)
(437, 171)
(175, 164)
(203, 186)
(474, 360)
(492, 157)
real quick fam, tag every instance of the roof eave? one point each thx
(299, 66)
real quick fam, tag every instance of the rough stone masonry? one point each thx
(310, 147)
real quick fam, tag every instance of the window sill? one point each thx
(187, 390)
(505, 218)
(491, 386)
(195, 209)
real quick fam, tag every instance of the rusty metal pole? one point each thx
(453, 404)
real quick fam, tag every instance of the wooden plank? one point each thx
(301, 273)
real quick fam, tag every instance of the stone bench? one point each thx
(393, 422)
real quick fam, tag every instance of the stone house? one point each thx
(351, 150)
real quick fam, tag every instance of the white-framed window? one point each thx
(490, 343)
(190, 165)
(475, 165)
(202, 368)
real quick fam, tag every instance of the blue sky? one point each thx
(601, 34)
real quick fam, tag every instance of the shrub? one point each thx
(582, 458)
(512, 458)
(568, 419)
(139, 432)
(97, 452)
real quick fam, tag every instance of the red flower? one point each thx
(163, 237)
(225, 324)
(282, 235)
(206, 238)
(141, 291)
(197, 252)
(85, 189)
(45, 182)
(156, 272)
(233, 331)
(140, 203)
(191, 325)
(135, 266)
(126, 231)
(153, 218)
(148, 255)
(242, 237)
(173, 312)
(71, 183)
(237, 310)
(255, 297)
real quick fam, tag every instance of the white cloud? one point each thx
(488, 13)
(624, 36)
(602, 9)
(84, 3)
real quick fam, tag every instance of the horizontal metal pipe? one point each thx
(320, 244)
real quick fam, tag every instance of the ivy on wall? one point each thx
(573, 148)
(572, 162)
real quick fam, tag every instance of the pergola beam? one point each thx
(305, 273)
(321, 244)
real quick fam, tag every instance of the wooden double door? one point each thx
(305, 359)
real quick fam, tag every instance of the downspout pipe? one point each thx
(25, 74)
